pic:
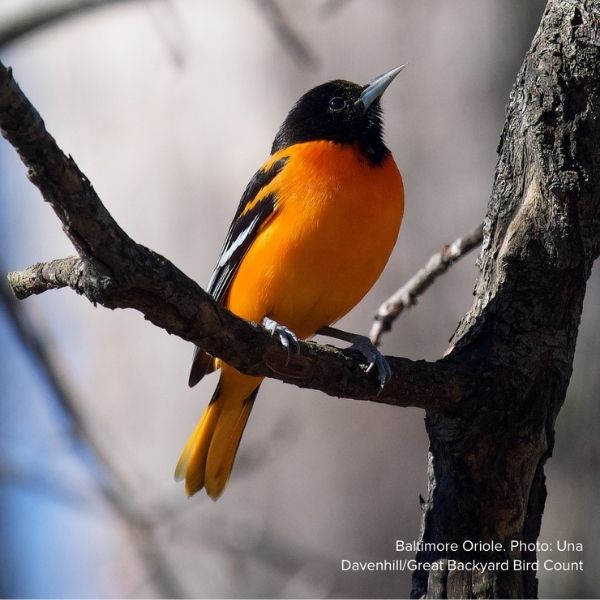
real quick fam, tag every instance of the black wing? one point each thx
(242, 231)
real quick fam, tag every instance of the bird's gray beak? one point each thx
(377, 86)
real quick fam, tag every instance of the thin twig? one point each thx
(416, 286)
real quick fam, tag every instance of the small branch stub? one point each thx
(42, 277)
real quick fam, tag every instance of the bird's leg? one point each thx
(286, 336)
(362, 344)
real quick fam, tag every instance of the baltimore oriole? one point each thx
(311, 235)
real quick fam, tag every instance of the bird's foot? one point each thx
(374, 359)
(363, 344)
(286, 336)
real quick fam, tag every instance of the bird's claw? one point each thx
(287, 337)
(364, 346)
(374, 358)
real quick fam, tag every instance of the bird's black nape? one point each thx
(332, 111)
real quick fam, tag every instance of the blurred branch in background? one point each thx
(331, 7)
(21, 17)
(38, 481)
(421, 281)
(169, 28)
(288, 36)
(111, 486)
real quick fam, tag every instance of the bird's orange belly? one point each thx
(323, 252)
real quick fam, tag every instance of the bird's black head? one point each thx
(339, 111)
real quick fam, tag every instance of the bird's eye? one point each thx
(337, 104)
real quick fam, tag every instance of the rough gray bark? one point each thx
(486, 479)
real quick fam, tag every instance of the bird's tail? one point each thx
(207, 459)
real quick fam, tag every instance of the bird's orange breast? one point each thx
(336, 222)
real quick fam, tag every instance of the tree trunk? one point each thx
(486, 463)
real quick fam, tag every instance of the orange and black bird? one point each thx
(311, 235)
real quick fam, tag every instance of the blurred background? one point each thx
(169, 107)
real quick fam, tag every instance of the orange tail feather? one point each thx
(209, 454)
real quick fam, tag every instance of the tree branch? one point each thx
(421, 281)
(42, 277)
(116, 272)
